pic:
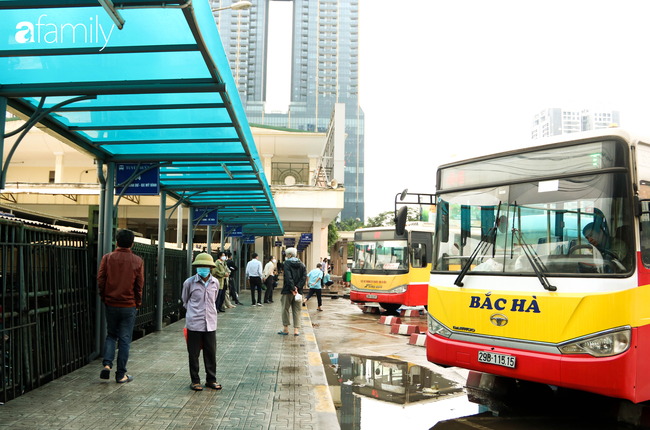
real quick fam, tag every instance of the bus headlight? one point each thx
(602, 345)
(437, 328)
(353, 287)
(399, 289)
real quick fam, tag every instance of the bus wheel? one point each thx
(391, 308)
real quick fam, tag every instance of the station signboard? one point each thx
(289, 241)
(234, 230)
(249, 240)
(306, 237)
(210, 218)
(147, 184)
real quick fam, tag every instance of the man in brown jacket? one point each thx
(120, 280)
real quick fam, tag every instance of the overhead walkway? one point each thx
(269, 382)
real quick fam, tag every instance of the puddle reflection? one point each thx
(375, 392)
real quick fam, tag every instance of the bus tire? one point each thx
(391, 308)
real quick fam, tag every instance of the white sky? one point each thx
(464, 78)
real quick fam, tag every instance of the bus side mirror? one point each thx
(400, 221)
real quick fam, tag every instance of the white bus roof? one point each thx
(564, 138)
(410, 226)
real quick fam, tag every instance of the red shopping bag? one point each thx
(185, 333)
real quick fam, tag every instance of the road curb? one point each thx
(325, 410)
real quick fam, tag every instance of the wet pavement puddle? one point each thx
(371, 392)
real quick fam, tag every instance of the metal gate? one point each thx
(46, 329)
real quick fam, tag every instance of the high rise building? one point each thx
(556, 121)
(324, 71)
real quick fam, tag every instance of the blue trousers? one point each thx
(119, 327)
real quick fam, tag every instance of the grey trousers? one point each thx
(291, 305)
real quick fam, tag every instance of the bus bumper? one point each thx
(609, 376)
(415, 295)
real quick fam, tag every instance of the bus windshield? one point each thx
(575, 225)
(381, 256)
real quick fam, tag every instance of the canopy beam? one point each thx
(59, 89)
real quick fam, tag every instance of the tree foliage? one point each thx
(332, 234)
(387, 218)
(349, 224)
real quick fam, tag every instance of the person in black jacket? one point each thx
(233, 285)
(295, 276)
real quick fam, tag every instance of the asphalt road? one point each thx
(379, 381)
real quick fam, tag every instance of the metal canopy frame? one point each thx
(163, 92)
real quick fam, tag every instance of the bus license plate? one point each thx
(498, 359)
(371, 296)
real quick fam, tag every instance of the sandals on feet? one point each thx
(105, 374)
(283, 333)
(196, 387)
(214, 386)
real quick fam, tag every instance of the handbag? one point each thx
(298, 297)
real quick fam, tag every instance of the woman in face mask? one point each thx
(199, 296)
(221, 272)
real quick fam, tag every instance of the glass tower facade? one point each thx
(324, 71)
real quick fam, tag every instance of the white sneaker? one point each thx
(259, 304)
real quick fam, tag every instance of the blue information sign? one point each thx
(210, 218)
(290, 241)
(306, 237)
(278, 243)
(249, 240)
(234, 230)
(147, 184)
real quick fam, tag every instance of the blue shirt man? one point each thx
(315, 277)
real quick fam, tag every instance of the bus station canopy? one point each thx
(160, 90)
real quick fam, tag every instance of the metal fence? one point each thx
(46, 329)
(175, 268)
(47, 303)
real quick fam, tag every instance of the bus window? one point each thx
(644, 223)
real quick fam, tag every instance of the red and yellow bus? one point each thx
(541, 265)
(392, 269)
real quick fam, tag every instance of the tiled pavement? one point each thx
(269, 382)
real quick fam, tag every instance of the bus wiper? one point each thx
(536, 263)
(482, 247)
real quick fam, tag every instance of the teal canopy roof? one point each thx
(160, 90)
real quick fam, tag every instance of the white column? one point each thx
(313, 165)
(179, 228)
(316, 246)
(268, 166)
(58, 169)
(259, 248)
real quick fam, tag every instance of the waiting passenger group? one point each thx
(210, 291)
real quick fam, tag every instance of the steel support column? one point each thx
(190, 239)
(3, 121)
(209, 240)
(99, 306)
(222, 241)
(108, 226)
(161, 262)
